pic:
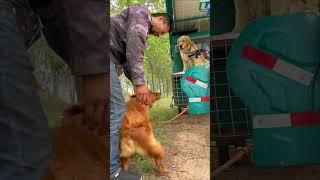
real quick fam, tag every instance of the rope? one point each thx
(243, 151)
(180, 114)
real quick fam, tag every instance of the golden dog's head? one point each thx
(184, 43)
(153, 97)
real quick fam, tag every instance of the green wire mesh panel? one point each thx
(188, 15)
(180, 98)
(229, 115)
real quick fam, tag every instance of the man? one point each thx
(77, 31)
(128, 36)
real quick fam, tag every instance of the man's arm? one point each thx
(138, 27)
(77, 31)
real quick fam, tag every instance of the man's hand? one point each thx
(142, 93)
(95, 99)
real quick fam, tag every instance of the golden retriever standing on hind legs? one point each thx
(190, 54)
(136, 134)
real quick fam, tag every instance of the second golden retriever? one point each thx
(190, 54)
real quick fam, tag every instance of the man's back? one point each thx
(122, 27)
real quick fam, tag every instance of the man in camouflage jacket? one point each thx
(128, 35)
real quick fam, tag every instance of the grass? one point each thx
(161, 111)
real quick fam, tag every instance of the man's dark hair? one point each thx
(166, 20)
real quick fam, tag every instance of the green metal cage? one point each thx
(230, 120)
(189, 18)
(230, 117)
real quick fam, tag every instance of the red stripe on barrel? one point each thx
(205, 98)
(191, 79)
(258, 56)
(305, 118)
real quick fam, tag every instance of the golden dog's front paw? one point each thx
(164, 171)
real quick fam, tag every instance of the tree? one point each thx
(51, 72)
(153, 5)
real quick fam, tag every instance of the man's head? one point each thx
(160, 24)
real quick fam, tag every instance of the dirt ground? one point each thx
(188, 148)
(244, 170)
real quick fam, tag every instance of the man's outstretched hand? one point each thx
(142, 93)
(95, 100)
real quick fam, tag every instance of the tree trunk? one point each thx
(159, 82)
(78, 84)
(168, 86)
(55, 84)
(163, 86)
(152, 76)
(74, 88)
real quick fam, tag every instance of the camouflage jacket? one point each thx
(128, 35)
(75, 30)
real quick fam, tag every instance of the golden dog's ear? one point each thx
(154, 96)
(155, 93)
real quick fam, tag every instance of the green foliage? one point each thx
(154, 5)
(51, 71)
(41, 53)
(158, 64)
